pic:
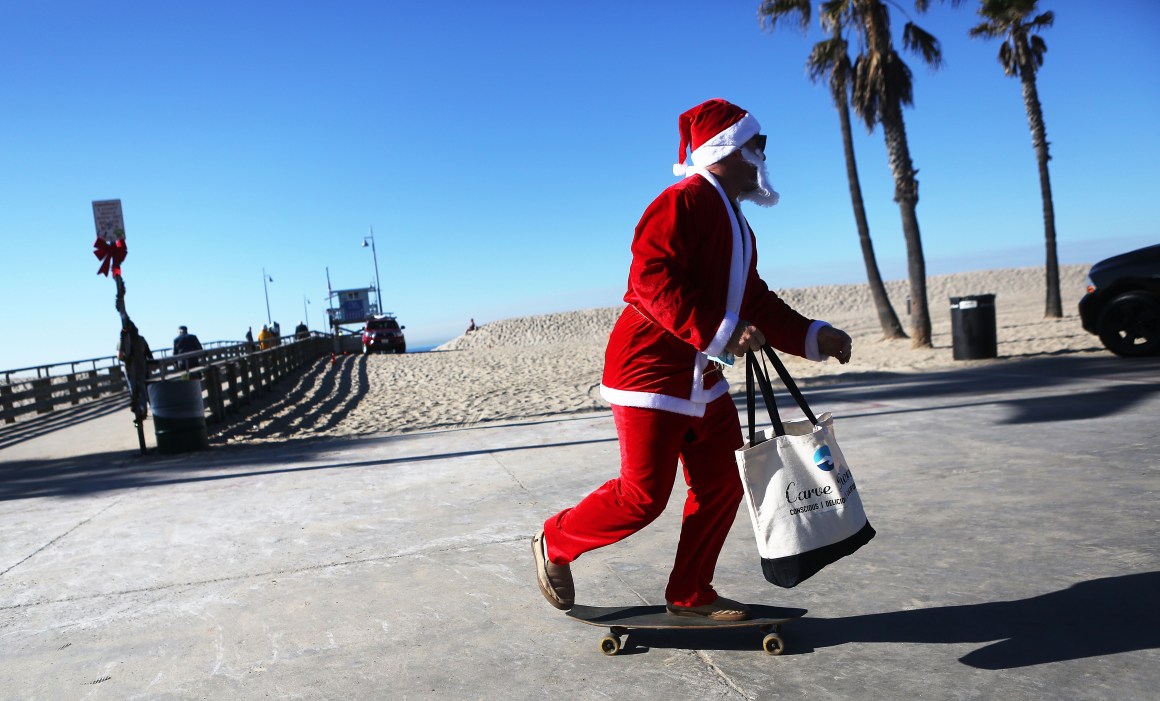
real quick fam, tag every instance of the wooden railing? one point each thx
(40, 389)
(232, 375)
(231, 382)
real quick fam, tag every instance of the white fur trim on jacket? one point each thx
(663, 402)
(740, 258)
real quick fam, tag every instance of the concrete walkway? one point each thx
(1017, 557)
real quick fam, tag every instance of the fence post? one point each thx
(261, 373)
(94, 383)
(244, 366)
(74, 395)
(232, 385)
(43, 394)
(6, 404)
(213, 388)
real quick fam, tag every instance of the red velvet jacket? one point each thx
(693, 276)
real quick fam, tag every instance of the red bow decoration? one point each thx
(110, 255)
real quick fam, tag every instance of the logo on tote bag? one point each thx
(823, 460)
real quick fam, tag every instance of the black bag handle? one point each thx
(762, 374)
(790, 384)
(751, 369)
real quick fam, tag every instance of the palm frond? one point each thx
(835, 8)
(841, 76)
(916, 39)
(879, 80)
(772, 12)
(1038, 48)
(866, 92)
(987, 30)
(899, 81)
(1043, 21)
(1007, 59)
(923, 5)
(825, 57)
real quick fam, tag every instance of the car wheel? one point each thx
(401, 349)
(1130, 325)
(366, 350)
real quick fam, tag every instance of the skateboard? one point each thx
(620, 619)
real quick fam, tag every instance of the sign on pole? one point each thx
(109, 248)
(110, 222)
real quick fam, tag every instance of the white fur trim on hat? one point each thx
(722, 144)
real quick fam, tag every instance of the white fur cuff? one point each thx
(724, 332)
(812, 352)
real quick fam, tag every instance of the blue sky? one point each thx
(503, 153)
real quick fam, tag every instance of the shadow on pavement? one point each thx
(27, 429)
(1127, 382)
(1089, 619)
(1098, 617)
(27, 479)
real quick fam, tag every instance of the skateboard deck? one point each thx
(620, 619)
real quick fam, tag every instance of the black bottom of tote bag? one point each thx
(788, 572)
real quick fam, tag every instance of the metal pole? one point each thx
(378, 285)
(306, 311)
(267, 291)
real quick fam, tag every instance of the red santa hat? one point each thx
(713, 129)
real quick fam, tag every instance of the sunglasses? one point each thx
(761, 142)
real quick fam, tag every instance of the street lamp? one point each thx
(266, 277)
(375, 255)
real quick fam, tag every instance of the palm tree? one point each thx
(830, 59)
(1021, 54)
(882, 86)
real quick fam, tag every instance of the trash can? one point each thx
(178, 416)
(973, 327)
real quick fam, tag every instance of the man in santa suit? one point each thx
(694, 300)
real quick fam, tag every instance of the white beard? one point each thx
(764, 195)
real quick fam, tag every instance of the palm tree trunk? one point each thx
(1054, 307)
(905, 182)
(906, 195)
(891, 326)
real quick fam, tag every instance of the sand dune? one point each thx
(523, 368)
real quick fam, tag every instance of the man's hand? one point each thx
(745, 337)
(834, 343)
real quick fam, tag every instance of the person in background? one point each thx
(471, 327)
(694, 302)
(265, 338)
(250, 339)
(301, 331)
(186, 342)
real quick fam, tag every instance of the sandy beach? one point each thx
(533, 367)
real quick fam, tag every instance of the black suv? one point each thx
(383, 333)
(1122, 304)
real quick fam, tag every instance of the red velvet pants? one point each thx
(651, 441)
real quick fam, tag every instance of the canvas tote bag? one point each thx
(803, 503)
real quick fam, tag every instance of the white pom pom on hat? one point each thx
(713, 130)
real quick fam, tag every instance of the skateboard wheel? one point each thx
(610, 645)
(773, 644)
